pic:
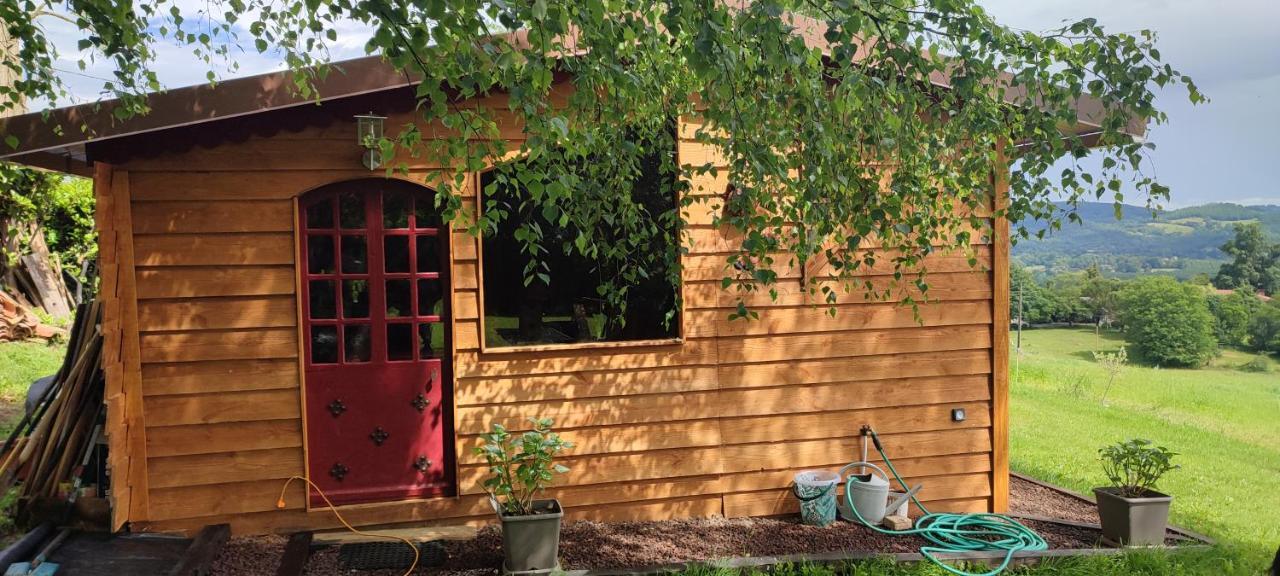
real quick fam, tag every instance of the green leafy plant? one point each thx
(1264, 329)
(796, 105)
(521, 465)
(1134, 466)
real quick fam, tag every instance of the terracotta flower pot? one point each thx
(1133, 521)
(531, 543)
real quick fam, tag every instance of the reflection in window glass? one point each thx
(324, 344)
(424, 211)
(431, 340)
(396, 253)
(569, 308)
(320, 214)
(398, 299)
(430, 299)
(355, 255)
(351, 206)
(355, 298)
(320, 255)
(395, 209)
(321, 299)
(357, 346)
(400, 341)
(428, 258)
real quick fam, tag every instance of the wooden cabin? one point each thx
(276, 309)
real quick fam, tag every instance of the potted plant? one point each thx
(1132, 512)
(520, 467)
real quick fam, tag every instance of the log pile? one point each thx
(18, 323)
(29, 281)
(44, 451)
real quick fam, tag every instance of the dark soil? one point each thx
(635, 544)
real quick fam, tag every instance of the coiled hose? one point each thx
(954, 533)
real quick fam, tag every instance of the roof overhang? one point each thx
(56, 139)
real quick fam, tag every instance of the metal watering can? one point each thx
(869, 494)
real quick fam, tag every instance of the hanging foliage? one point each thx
(863, 134)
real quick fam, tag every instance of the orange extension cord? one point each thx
(280, 504)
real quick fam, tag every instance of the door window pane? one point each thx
(424, 211)
(355, 255)
(430, 340)
(320, 255)
(400, 341)
(351, 206)
(355, 298)
(324, 344)
(398, 299)
(320, 214)
(429, 298)
(396, 253)
(395, 209)
(428, 258)
(357, 347)
(322, 300)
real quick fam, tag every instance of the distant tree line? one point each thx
(1165, 321)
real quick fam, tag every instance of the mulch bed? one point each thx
(617, 545)
(1036, 500)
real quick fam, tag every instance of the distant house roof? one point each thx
(1226, 292)
(57, 139)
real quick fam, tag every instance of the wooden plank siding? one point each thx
(714, 424)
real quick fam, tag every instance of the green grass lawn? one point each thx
(1224, 423)
(20, 364)
(1135, 563)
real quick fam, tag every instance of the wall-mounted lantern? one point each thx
(368, 135)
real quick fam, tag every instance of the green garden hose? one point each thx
(953, 533)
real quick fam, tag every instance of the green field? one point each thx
(1224, 423)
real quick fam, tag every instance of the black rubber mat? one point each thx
(389, 555)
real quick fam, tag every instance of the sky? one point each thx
(1227, 150)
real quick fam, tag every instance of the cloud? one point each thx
(1223, 151)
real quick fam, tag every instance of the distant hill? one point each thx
(1181, 242)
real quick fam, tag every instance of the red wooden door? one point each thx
(375, 280)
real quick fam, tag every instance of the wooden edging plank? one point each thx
(198, 560)
(296, 553)
(412, 533)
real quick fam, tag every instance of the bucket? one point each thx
(816, 491)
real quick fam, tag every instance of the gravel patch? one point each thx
(249, 556)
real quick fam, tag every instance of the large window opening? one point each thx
(562, 296)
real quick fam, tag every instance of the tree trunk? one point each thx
(9, 53)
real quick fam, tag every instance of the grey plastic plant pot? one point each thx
(531, 543)
(1133, 521)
